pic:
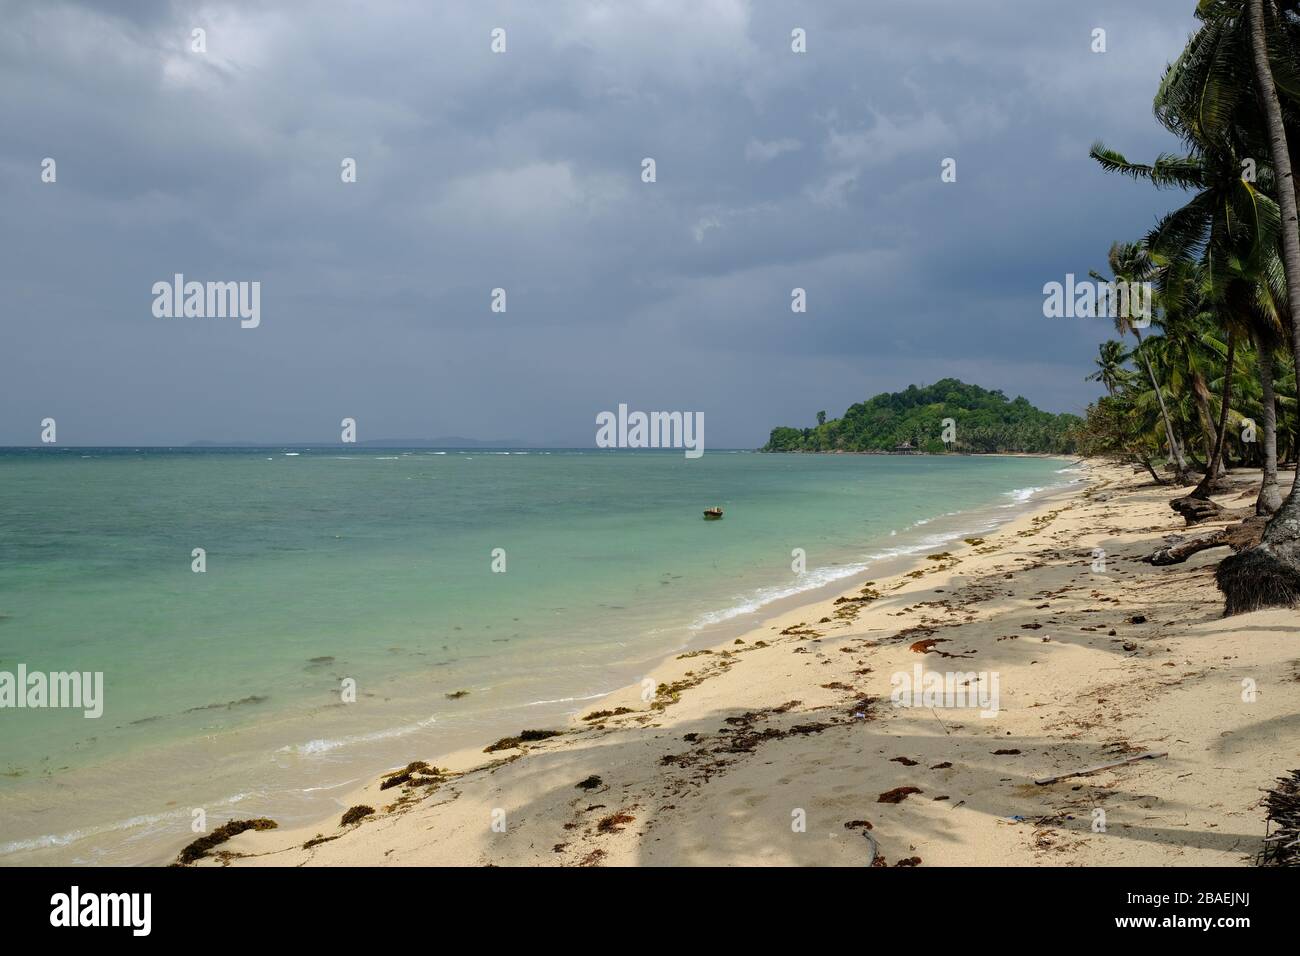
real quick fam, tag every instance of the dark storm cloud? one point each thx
(522, 170)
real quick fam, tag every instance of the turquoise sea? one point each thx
(222, 689)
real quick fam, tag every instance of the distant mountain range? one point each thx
(453, 441)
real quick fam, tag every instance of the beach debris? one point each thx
(942, 766)
(317, 840)
(1282, 841)
(1006, 753)
(457, 694)
(591, 783)
(399, 777)
(905, 761)
(525, 736)
(858, 825)
(355, 814)
(1238, 537)
(910, 861)
(200, 847)
(898, 794)
(602, 714)
(861, 708)
(1147, 755)
(615, 822)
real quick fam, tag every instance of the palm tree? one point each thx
(1230, 225)
(1269, 575)
(1110, 366)
(1129, 264)
(1268, 334)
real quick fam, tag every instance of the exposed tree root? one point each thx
(1282, 845)
(1266, 576)
(1195, 510)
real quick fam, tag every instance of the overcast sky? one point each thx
(522, 170)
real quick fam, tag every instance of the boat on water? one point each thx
(712, 514)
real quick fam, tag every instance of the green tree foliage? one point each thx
(986, 422)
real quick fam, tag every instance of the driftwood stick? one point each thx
(1149, 755)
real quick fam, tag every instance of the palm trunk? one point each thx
(1146, 463)
(1270, 494)
(1212, 473)
(1269, 575)
(1181, 475)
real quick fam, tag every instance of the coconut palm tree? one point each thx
(1130, 264)
(1268, 575)
(1230, 225)
(1111, 372)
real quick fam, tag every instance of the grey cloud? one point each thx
(522, 171)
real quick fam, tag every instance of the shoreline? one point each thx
(791, 726)
(728, 625)
(627, 712)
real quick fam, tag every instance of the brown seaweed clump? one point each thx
(897, 795)
(355, 814)
(602, 714)
(406, 775)
(200, 847)
(525, 736)
(614, 823)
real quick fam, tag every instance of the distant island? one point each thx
(912, 421)
(450, 442)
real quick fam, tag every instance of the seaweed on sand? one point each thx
(615, 822)
(525, 736)
(898, 794)
(355, 814)
(406, 775)
(200, 847)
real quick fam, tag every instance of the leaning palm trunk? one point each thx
(1213, 472)
(1181, 474)
(1270, 493)
(1269, 575)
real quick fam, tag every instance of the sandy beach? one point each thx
(784, 747)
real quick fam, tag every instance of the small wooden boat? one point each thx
(712, 514)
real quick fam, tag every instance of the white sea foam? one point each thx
(1021, 495)
(324, 745)
(821, 577)
(149, 821)
(566, 700)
